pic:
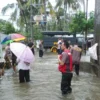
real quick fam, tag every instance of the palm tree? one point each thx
(13, 6)
(23, 9)
(67, 4)
(82, 2)
(17, 10)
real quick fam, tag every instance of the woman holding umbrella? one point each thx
(24, 58)
(24, 71)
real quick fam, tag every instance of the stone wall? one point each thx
(90, 68)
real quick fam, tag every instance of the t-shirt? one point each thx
(41, 47)
(65, 58)
(22, 65)
(59, 44)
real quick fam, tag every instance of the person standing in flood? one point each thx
(65, 67)
(41, 49)
(24, 71)
(31, 45)
(59, 50)
(76, 55)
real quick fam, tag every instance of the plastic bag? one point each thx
(92, 51)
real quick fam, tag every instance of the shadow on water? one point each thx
(45, 83)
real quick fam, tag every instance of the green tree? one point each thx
(80, 24)
(6, 27)
(37, 33)
(23, 9)
(59, 14)
(67, 4)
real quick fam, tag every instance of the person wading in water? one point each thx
(65, 67)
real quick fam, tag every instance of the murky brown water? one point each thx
(45, 83)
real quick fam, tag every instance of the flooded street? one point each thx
(45, 83)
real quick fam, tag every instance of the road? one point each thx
(45, 83)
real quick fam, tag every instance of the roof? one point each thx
(55, 33)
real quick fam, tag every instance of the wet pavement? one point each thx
(45, 83)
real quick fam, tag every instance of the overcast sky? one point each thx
(5, 2)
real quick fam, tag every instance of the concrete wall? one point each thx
(90, 67)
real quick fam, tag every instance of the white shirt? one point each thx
(22, 65)
(59, 45)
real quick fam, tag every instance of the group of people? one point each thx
(68, 56)
(23, 67)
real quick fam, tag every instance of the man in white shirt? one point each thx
(59, 46)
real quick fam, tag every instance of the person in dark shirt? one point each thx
(41, 49)
(31, 45)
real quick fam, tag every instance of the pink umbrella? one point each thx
(22, 52)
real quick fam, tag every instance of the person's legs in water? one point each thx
(40, 53)
(77, 69)
(14, 65)
(27, 75)
(69, 89)
(0, 72)
(66, 83)
(21, 76)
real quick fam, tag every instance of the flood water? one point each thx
(45, 83)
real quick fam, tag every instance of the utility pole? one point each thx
(45, 15)
(64, 14)
(96, 66)
(31, 20)
(97, 31)
(1, 55)
(86, 25)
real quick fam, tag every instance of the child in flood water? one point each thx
(24, 71)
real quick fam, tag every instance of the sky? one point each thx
(7, 15)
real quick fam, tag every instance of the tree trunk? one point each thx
(97, 27)
(96, 64)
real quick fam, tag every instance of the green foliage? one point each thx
(60, 12)
(51, 25)
(37, 33)
(80, 24)
(6, 27)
